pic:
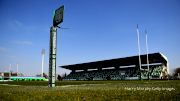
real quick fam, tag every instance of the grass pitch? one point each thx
(91, 91)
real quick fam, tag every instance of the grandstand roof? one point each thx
(125, 61)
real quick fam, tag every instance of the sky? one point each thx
(97, 30)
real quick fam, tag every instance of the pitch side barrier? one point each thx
(28, 79)
(1, 78)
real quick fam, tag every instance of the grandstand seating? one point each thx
(114, 74)
(156, 71)
(99, 75)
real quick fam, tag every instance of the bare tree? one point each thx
(45, 75)
(176, 74)
(59, 78)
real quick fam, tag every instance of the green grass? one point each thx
(91, 91)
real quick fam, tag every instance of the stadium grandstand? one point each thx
(126, 68)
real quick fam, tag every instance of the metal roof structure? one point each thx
(117, 62)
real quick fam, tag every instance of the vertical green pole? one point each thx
(52, 56)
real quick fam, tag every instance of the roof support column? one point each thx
(116, 67)
(73, 71)
(99, 69)
(85, 70)
(139, 72)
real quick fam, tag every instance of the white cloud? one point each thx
(20, 27)
(23, 42)
(2, 49)
(15, 25)
(18, 23)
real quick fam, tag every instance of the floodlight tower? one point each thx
(17, 68)
(42, 63)
(57, 19)
(9, 71)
